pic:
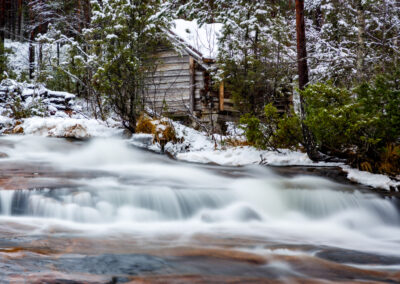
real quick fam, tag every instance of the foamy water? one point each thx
(147, 194)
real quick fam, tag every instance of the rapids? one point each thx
(106, 188)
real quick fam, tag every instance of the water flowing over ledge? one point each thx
(130, 201)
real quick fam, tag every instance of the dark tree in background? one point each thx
(301, 45)
(2, 20)
(309, 141)
(2, 37)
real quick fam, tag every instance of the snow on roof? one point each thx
(204, 39)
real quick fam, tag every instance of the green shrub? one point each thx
(253, 130)
(4, 70)
(362, 125)
(332, 116)
(381, 100)
(288, 134)
(274, 131)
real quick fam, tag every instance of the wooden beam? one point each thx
(192, 83)
(221, 96)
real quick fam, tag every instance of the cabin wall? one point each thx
(170, 87)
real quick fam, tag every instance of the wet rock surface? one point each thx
(354, 257)
(128, 268)
(72, 259)
(27, 175)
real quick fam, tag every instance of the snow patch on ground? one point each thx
(241, 156)
(230, 157)
(5, 120)
(193, 140)
(198, 147)
(370, 179)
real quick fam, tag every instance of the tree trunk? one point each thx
(2, 34)
(31, 55)
(31, 44)
(301, 45)
(309, 141)
(2, 20)
(87, 13)
(361, 41)
(19, 20)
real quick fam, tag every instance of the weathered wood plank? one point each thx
(199, 85)
(192, 83)
(167, 97)
(230, 109)
(171, 91)
(169, 53)
(182, 106)
(167, 80)
(199, 78)
(170, 67)
(172, 60)
(165, 86)
(221, 96)
(175, 102)
(170, 73)
(170, 103)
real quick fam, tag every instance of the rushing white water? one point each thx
(136, 191)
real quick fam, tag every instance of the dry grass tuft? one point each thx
(234, 142)
(145, 125)
(390, 160)
(162, 130)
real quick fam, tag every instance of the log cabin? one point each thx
(181, 86)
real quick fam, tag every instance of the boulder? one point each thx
(3, 155)
(18, 130)
(76, 131)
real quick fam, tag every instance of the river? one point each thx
(102, 211)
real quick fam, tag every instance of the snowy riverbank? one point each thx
(193, 146)
(196, 147)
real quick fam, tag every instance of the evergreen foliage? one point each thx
(3, 62)
(273, 131)
(125, 37)
(362, 125)
(254, 54)
(349, 41)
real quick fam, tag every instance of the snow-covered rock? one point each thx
(68, 127)
(35, 94)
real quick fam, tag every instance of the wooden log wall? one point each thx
(176, 84)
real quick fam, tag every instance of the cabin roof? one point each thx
(200, 42)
